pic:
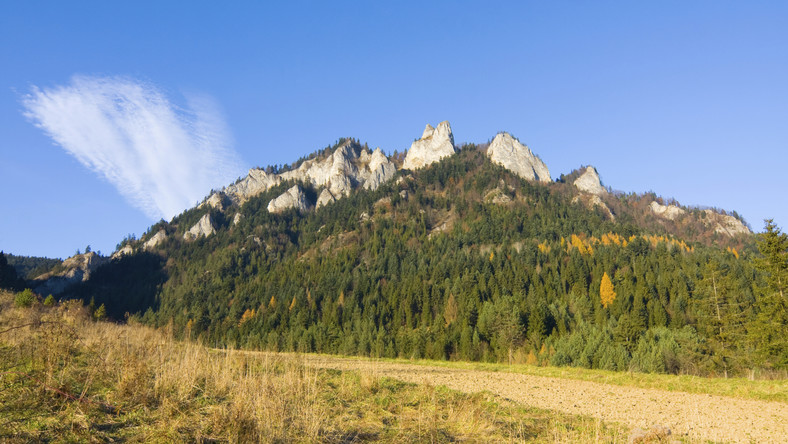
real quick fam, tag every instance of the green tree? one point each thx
(719, 315)
(771, 324)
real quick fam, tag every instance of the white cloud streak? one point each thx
(160, 157)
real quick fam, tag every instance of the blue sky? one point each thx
(686, 99)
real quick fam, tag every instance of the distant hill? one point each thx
(472, 253)
(29, 267)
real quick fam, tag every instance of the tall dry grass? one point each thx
(64, 377)
(181, 389)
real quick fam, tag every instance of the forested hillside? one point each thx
(463, 260)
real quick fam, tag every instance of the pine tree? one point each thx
(718, 313)
(607, 293)
(770, 328)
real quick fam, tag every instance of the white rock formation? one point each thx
(724, 224)
(253, 184)
(204, 227)
(126, 250)
(155, 240)
(237, 218)
(434, 145)
(670, 212)
(75, 269)
(379, 169)
(325, 198)
(589, 182)
(508, 152)
(347, 168)
(215, 200)
(292, 198)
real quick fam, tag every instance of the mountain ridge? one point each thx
(463, 258)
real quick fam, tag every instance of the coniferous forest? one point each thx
(465, 261)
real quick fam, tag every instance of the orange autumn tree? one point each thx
(606, 292)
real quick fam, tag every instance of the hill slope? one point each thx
(458, 259)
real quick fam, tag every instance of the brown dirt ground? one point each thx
(696, 416)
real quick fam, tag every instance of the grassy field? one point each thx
(66, 378)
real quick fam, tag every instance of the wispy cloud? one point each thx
(162, 158)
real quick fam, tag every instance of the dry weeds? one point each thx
(67, 378)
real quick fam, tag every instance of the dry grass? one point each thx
(768, 388)
(66, 378)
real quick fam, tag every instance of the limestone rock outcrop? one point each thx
(292, 198)
(155, 240)
(216, 200)
(379, 169)
(350, 166)
(508, 152)
(434, 145)
(124, 251)
(204, 227)
(670, 212)
(256, 182)
(589, 182)
(75, 269)
(724, 224)
(325, 198)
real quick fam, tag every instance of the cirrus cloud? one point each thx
(162, 158)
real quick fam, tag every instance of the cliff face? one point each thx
(347, 168)
(292, 198)
(589, 182)
(508, 152)
(204, 227)
(434, 145)
(73, 270)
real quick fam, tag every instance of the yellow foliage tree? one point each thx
(272, 302)
(578, 243)
(606, 291)
(248, 314)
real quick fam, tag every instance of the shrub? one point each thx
(25, 298)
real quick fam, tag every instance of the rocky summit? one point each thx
(292, 198)
(434, 145)
(349, 167)
(202, 228)
(589, 182)
(508, 152)
(75, 269)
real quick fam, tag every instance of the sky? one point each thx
(114, 115)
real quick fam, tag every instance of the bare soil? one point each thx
(695, 416)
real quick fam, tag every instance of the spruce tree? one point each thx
(770, 329)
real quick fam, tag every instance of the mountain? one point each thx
(468, 252)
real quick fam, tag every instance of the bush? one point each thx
(50, 300)
(25, 298)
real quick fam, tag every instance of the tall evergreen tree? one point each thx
(771, 324)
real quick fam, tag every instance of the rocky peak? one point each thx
(155, 240)
(508, 152)
(292, 198)
(204, 227)
(325, 198)
(589, 182)
(75, 269)
(724, 224)
(670, 212)
(124, 251)
(350, 166)
(434, 145)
